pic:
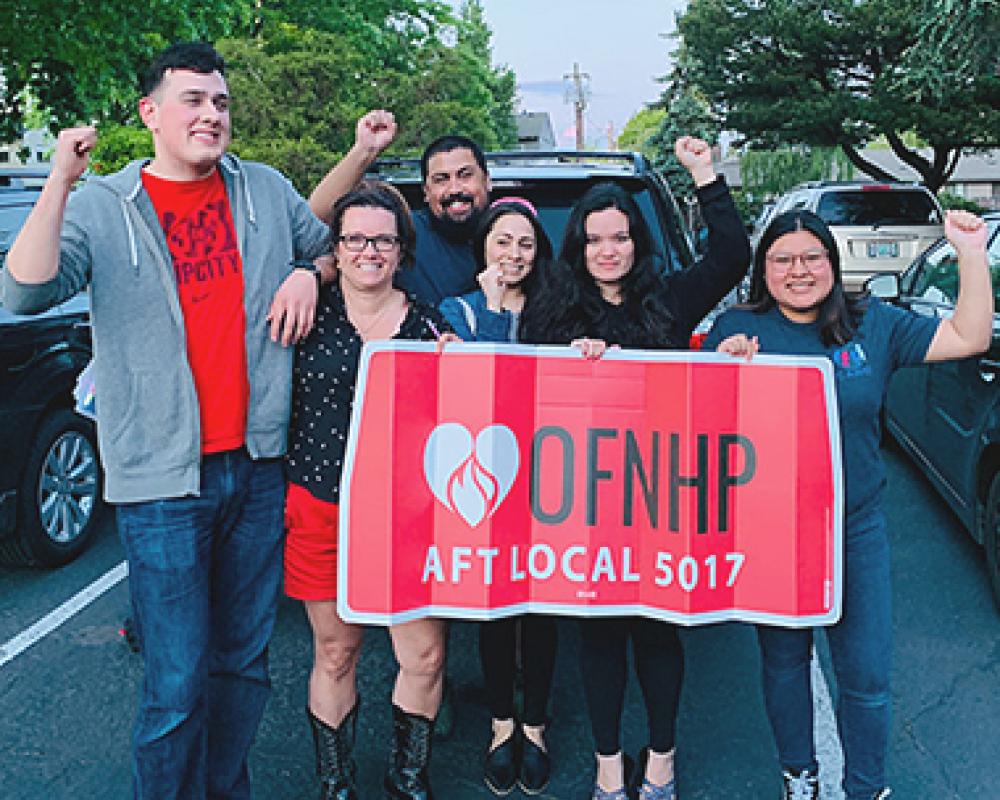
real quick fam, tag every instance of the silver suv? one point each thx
(879, 227)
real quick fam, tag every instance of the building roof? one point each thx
(535, 126)
(982, 167)
(978, 167)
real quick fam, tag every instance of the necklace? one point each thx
(364, 330)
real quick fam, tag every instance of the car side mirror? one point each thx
(885, 286)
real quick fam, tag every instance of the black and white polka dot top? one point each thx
(323, 380)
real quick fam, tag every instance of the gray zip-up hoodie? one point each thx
(147, 407)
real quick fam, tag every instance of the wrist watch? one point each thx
(309, 266)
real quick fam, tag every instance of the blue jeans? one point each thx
(861, 650)
(204, 574)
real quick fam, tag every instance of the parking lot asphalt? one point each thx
(68, 701)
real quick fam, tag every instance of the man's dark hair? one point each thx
(840, 313)
(445, 144)
(198, 57)
(377, 194)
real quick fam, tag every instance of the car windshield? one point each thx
(878, 207)
(936, 280)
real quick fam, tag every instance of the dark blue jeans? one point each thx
(204, 574)
(861, 650)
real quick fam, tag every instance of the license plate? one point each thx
(883, 249)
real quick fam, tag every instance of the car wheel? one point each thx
(991, 535)
(60, 493)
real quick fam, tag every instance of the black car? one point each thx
(50, 478)
(554, 180)
(947, 415)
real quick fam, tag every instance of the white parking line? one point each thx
(12, 648)
(828, 752)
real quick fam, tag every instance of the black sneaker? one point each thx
(804, 786)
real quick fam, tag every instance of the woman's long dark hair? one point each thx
(543, 247)
(569, 303)
(839, 313)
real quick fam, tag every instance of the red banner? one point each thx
(494, 480)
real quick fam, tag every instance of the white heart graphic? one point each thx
(472, 482)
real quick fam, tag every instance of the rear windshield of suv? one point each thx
(878, 207)
(554, 199)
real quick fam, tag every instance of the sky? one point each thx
(619, 43)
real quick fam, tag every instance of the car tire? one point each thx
(59, 495)
(991, 535)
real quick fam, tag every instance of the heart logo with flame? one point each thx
(471, 478)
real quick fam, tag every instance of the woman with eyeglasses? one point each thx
(608, 287)
(798, 306)
(373, 238)
(510, 249)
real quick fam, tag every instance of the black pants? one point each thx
(498, 653)
(659, 664)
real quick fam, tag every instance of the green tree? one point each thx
(766, 174)
(119, 144)
(473, 39)
(80, 60)
(957, 45)
(835, 74)
(299, 90)
(686, 115)
(640, 129)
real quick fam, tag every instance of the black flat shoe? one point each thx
(501, 767)
(533, 776)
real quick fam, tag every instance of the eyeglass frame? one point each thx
(821, 255)
(393, 242)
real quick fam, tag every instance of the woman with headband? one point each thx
(510, 248)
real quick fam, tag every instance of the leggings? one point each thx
(659, 664)
(498, 655)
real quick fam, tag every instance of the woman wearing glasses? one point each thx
(798, 307)
(373, 237)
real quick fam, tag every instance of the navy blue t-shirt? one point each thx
(888, 338)
(442, 268)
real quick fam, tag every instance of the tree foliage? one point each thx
(686, 115)
(957, 46)
(836, 73)
(300, 72)
(640, 129)
(767, 174)
(80, 60)
(309, 85)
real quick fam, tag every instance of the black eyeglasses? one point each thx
(357, 242)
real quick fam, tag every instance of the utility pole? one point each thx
(577, 92)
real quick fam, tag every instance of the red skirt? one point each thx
(310, 546)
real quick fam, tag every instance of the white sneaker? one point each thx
(804, 786)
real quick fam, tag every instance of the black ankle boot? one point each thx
(406, 778)
(334, 762)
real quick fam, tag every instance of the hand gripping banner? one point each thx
(501, 479)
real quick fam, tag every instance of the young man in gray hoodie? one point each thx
(193, 262)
